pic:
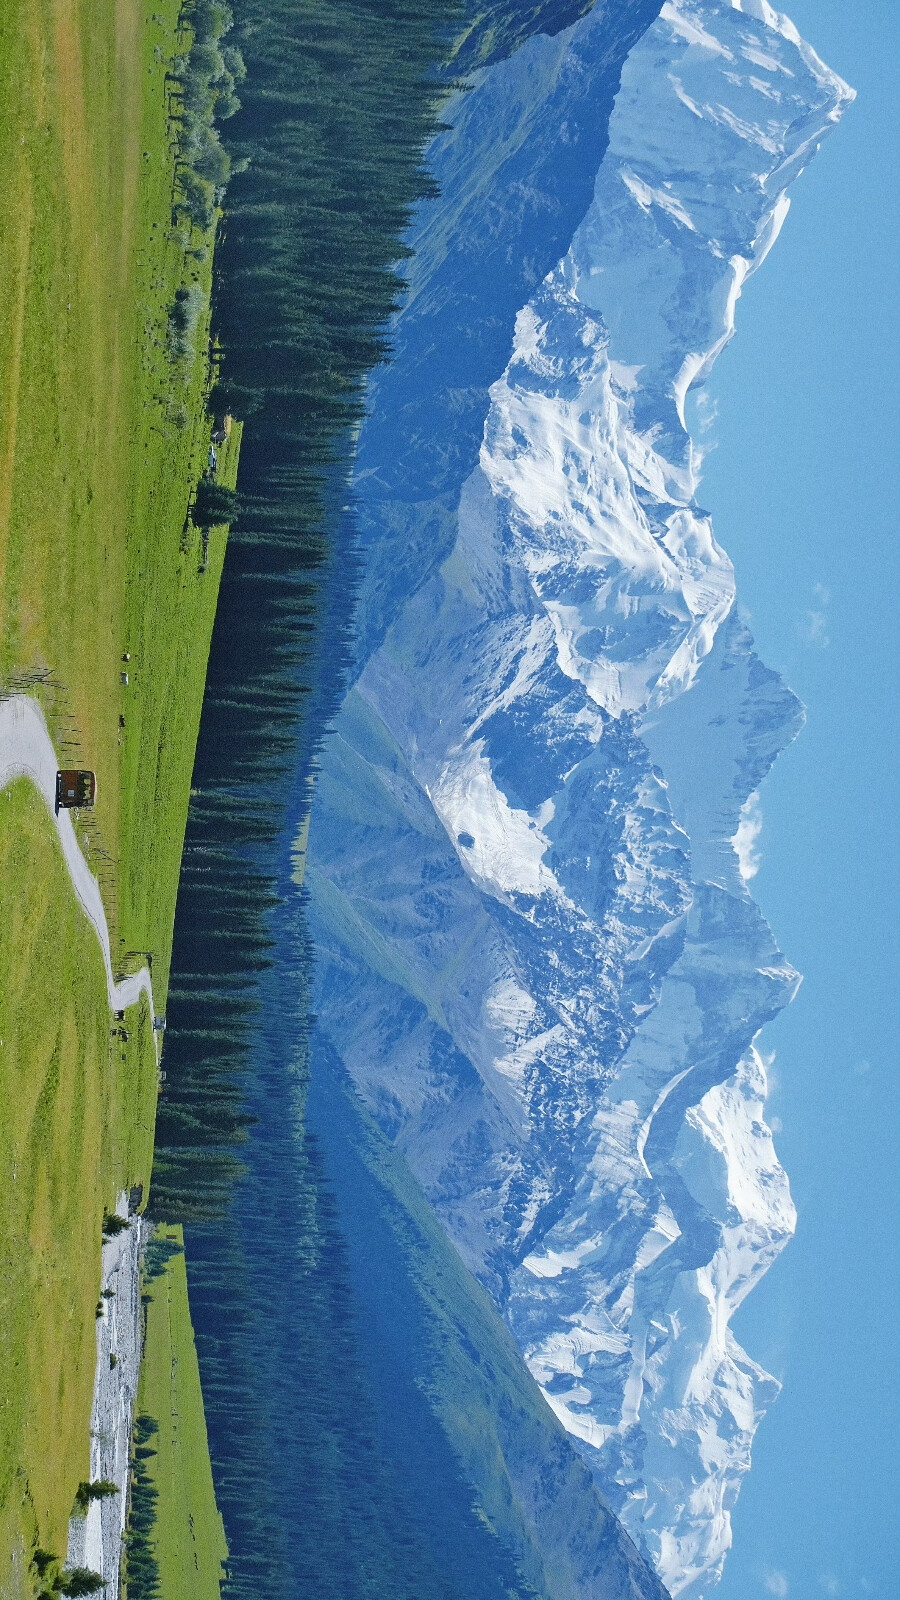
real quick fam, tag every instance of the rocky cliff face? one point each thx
(538, 957)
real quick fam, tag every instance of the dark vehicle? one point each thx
(75, 788)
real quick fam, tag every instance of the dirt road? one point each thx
(26, 751)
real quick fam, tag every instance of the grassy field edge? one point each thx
(187, 1539)
(108, 593)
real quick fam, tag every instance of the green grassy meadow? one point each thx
(188, 1538)
(103, 435)
(75, 1128)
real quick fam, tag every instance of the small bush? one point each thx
(99, 1489)
(212, 163)
(42, 1560)
(198, 199)
(184, 315)
(144, 1428)
(81, 1580)
(186, 308)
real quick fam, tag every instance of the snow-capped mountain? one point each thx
(538, 956)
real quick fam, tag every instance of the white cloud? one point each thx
(814, 622)
(815, 628)
(707, 410)
(776, 1583)
(745, 840)
(830, 1584)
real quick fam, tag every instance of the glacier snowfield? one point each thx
(539, 958)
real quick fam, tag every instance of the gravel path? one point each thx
(26, 751)
(95, 1541)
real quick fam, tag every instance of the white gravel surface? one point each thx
(95, 1541)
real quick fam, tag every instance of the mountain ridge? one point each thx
(538, 957)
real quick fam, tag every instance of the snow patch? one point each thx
(746, 839)
(538, 957)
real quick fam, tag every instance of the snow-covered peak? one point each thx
(719, 109)
(734, 89)
(539, 958)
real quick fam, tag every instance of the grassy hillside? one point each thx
(103, 435)
(188, 1540)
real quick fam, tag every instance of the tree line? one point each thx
(141, 1565)
(337, 101)
(325, 151)
(203, 81)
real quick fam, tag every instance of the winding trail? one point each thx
(26, 751)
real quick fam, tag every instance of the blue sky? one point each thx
(804, 491)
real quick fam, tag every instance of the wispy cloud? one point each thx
(776, 1583)
(746, 839)
(707, 410)
(830, 1584)
(814, 622)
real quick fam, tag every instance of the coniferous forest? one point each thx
(328, 150)
(336, 104)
